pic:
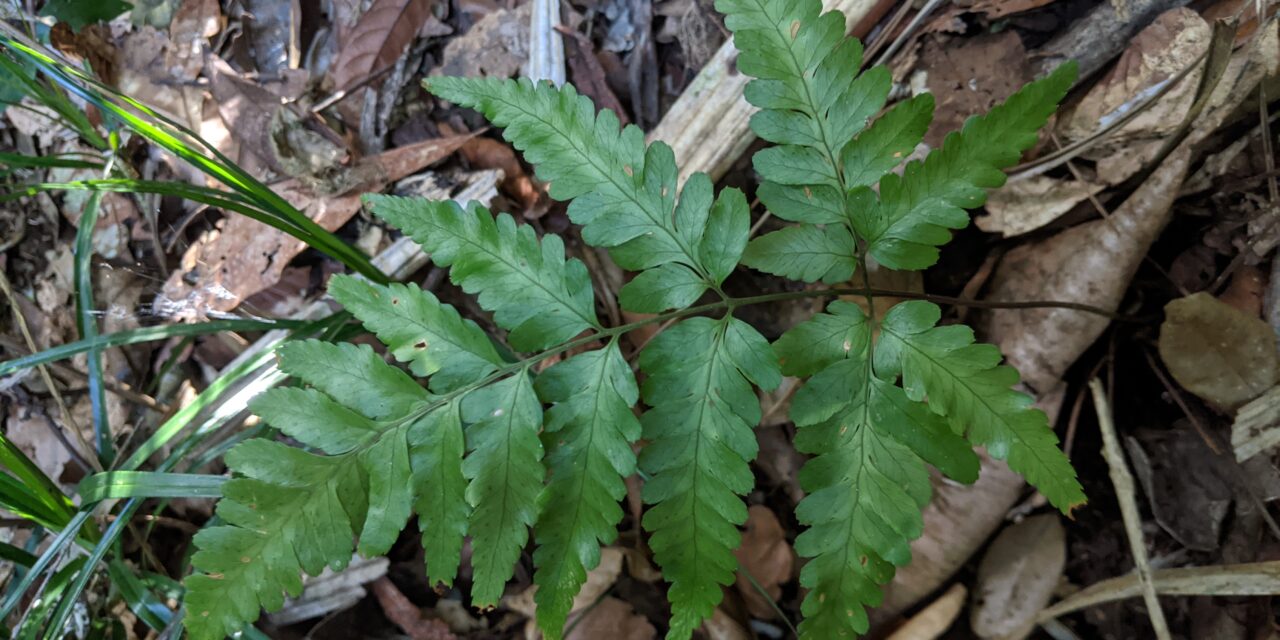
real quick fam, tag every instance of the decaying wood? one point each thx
(708, 126)
(546, 48)
(1100, 36)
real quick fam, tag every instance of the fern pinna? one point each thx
(494, 446)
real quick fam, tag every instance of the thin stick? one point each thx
(1125, 495)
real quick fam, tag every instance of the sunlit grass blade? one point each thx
(71, 116)
(16, 498)
(148, 484)
(145, 334)
(88, 326)
(35, 483)
(43, 563)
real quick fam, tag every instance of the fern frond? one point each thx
(965, 382)
(700, 433)
(868, 482)
(436, 448)
(290, 511)
(806, 252)
(812, 102)
(917, 210)
(623, 194)
(505, 474)
(588, 434)
(419, 330)
(532, 290)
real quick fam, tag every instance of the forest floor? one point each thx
(1153, 193)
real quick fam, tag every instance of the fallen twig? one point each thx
(1252, 579)
(1125, 495)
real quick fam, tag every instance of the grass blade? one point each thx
(149, 484)
(34, 482)
(88, 326)
(145, 334)
(141, 601)
(44, 562)
(10, 553)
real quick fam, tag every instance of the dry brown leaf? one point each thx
(379, 38)
(722, 626)
(1017, 577)
(588, 74)
(935, 619)
(767, 557)
(116, 211)
(1091, 263)
(244, 256)
(194, 22)
(407, 615)
(639, 566)
(1175, 40)
(496, 46)
(599, 581)
(248, 110)
(32, 432)
(1217, 352)
(1026, 205)
(1247, 290)
(145, 74)
(487, 153)
(610, 619)
(93, 44)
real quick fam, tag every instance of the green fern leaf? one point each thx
(868, 481)
(504, 469)
(533, 292)
(917, 210)
(813, 101)
(964, 381)
(290, 511)
(700, 442)
(436, 448)
(808, 253)
(893, 136)
(419, 330)
(623, 194)
(588, 435)
(354, 376)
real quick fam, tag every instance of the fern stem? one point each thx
(730, 304)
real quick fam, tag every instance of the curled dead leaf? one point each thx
(379, 38)
(1026, 205)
